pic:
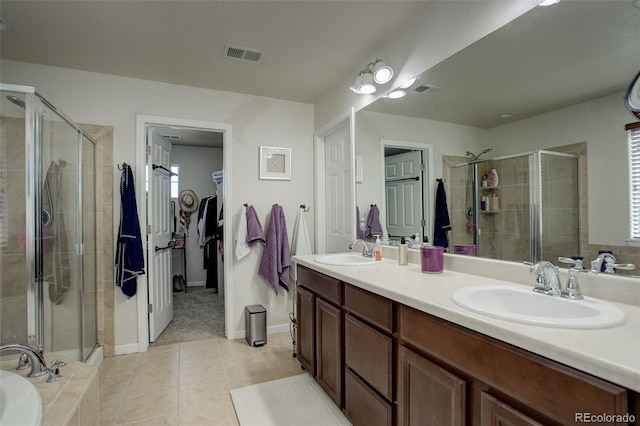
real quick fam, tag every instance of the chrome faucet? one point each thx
(36, 358)
(547, 278)
(367, 248)
(609, 262)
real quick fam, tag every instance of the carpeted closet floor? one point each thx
(197, 314)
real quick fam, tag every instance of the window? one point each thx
(634, 178)
(174, 181)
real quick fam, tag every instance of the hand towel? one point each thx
(442, 224)
(242, 248)
(129, 255)
(254, 227)
(276, 257)
(373, 222)
(301, 243)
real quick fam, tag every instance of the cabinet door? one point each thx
(329, 350)
(496, 413)
(428, 395)
(306, 329)
(362, 405)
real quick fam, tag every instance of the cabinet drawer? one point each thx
(369, 353)
(326, 287)
(515, 372)
(370, 307)
(362, 405)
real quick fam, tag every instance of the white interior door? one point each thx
(159, 223)
(338, 190)
(403, 190)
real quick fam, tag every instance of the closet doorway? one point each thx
(196, 285)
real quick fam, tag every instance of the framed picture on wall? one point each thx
(275, 163)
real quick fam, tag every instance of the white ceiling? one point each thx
(310, 45)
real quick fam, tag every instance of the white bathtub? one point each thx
(20, 402)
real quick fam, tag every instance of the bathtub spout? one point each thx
(38, 364)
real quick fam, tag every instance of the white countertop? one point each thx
(612, 353)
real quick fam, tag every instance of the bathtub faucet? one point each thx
(38, 364)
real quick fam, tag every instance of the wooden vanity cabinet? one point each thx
(504, 384)
(319, 329)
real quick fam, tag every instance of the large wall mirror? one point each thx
(552, 81)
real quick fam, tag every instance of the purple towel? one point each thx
(276, 257)
(254, 227)
(373, 222)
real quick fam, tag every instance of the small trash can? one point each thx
(255, 323)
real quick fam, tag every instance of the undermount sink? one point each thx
(521, 304)
(345, 259)
(20, 402)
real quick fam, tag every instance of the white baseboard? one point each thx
(272, 329)
(196, 283)
(129, 348)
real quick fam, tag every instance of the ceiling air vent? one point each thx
(242, 53)
(422, 88)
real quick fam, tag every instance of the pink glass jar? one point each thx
(432, 259)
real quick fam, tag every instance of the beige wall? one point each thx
(115, 101)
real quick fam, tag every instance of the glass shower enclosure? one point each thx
(531, 213)
(48, 277)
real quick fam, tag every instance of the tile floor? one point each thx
(188, 383)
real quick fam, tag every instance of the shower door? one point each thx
(61, 231)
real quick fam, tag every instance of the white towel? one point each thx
(301, 242)
(242, 248)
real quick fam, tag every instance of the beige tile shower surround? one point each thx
(189, 383)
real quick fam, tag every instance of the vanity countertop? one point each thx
(612, 354)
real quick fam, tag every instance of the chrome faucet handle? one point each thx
(576, 261)
(54, 370)
(23, 362)
(611, 267)
(572, 290)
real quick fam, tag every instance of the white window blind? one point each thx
(634, 184)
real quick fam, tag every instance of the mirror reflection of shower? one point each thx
(469, 178)
(16, 100)
(475, 157)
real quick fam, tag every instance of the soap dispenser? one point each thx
(403, 253)
(378, 249)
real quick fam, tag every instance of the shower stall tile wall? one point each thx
(533, 211)
(48, 257)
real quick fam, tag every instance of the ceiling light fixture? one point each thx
(398, 93)
(506, 114)
(548, 2)
(382, 73)
(364, 83)
(377, 72)
(408, 83)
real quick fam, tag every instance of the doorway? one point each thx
(202, 300)
(408, 189)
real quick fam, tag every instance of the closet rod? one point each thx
(155, 166)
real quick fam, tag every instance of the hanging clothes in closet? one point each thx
(208, 238)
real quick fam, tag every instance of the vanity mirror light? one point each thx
(556, 78)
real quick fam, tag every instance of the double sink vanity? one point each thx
(472, 345)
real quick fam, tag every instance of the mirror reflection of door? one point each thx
(403, 192)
